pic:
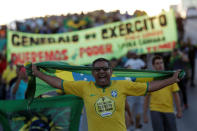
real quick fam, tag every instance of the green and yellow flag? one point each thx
(59, 112)
(75, 73)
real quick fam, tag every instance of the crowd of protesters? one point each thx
(69, 22)
(9, 73)
(14, 78)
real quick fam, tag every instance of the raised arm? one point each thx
(158, 84)
(16, 86)
(51, 80)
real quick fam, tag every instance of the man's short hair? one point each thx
(175, 50)
(156, 57)
(101, 59)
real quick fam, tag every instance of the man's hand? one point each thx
(34, 69)
(179, 114)
(131, 121)
(145, 118)
(159, 84)
(176, 76)
(51, 80)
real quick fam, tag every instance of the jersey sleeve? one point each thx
(175, 87)
(136, 88)
(73, 87)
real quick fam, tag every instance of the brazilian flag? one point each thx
(59, 113)
(78, 24)
(76, 73)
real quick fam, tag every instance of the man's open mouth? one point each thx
(102, 78)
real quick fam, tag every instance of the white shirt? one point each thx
(134, 63)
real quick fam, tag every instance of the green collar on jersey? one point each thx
(97, 86)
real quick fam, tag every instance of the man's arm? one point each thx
(178, 104)
(146, 103)
(127, 109)
(158, 84)
(51, 80)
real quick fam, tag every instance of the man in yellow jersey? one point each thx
(104, 99)
(161, 103)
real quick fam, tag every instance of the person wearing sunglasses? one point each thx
(104, 99)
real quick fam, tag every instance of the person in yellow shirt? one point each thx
(9, 73)
(161, 103)
(105, 98)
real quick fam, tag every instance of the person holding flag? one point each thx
(161, 103)
(105, 98)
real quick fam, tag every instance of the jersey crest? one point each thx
(114, 93)
(104, 106)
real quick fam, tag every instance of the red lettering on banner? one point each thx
(39, 56)
(33, 57)
(149, 49)
(155, 48)
(101, 50)
(132, 37)
(14, 57)
(169, 45)
(89, 51)
(109, 48)
(49, 55)
(57, 55)
(96, 50)
(82, 50)
(26, 55)
(154, 33)
(65, 57)
(166, 45)
(173, 44)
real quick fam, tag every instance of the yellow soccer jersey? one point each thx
(105, 106)
(9, 74)
(162, 100)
